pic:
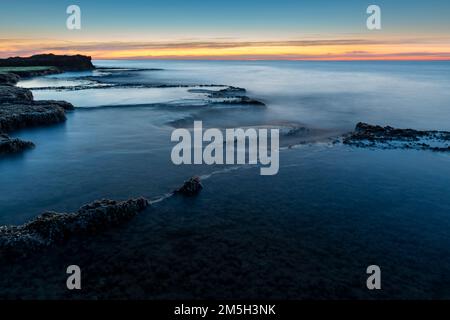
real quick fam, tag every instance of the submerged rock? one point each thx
(190, 187)
(366, 135)
(9, 145)
(52, 228)
(234, 95)
(244, 100)
(228, 95)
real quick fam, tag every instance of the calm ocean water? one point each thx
(329, 213)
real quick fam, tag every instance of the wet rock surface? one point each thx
(19, 115)
(191, 187)
(19, 110)
(15, 94)
(229, 95)
(28, 72)
(10, 145)
(52, 228)
(366, 136)
(8, 79)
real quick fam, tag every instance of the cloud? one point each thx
(117, 45)
(315, 49)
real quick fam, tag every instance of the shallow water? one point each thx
(333, 209)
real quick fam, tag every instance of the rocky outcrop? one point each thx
(10, 145)
(28, 72)
(62, 62)
(19, 110)
(67, 106)
(228, 95)
(15, 95)
(190, 187)
(52, 228)
(244, 100)
(15, 116)
(8, 79)
(366, 135)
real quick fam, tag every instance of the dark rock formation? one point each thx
(234, 95)
(8, 79)
(9, 145)
(229, 95)
(191, 187)
(26, 72)
(15, 116)
(52, 228)
(62, 62)
(244, 100)
(366, 135)
(19, 110)
(15, 94)
(60, 103)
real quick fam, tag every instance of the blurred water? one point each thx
(329, 213)
(124, 150)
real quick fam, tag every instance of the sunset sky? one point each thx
(245, 29)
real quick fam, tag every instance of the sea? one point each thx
(309, 231)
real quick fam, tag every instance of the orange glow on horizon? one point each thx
(323, 50)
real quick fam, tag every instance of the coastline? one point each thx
(18, 109)
(184, 247)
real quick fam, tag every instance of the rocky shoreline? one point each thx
(373, 136)
(11, 145)
(18, 109)
(52, 228)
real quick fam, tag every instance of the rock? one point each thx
(247, 100)
(9, 145)
(15, 94)
(228, 95)
(18, 115)
(8, 79)
(26, 72)
(366, 135)
(62, 104)
(62, 62)
(191, 187)
(19, 110)
(52, 228)
(233, 95)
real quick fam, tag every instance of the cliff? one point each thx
(61, 62)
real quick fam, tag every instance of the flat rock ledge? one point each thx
(8, 79)
(229, 96)
(10, 145)
(373, 136)
(52, 228)
(19, 110)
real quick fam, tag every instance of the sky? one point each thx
(232, 29)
